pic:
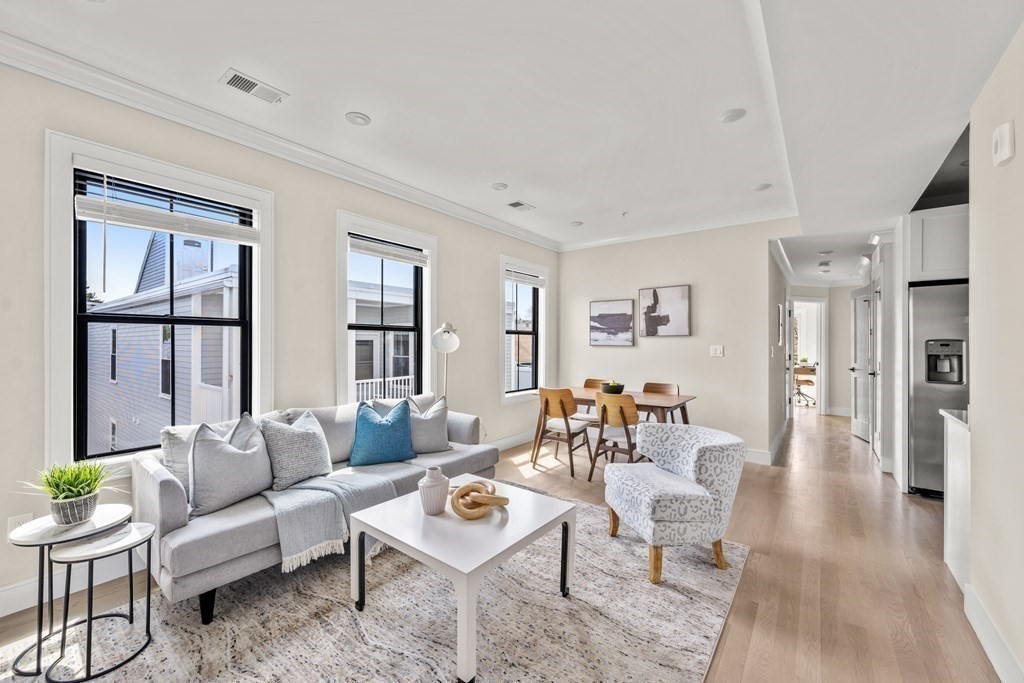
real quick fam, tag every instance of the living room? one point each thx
(400, 206)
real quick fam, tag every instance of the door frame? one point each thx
(824, 362)
(862, 294)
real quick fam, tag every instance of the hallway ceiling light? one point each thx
(499, 187)
(761, 187)
(825, 270)
(357, 118)
(576, 224)
(824, 264)
(825, 252)
(732, 115)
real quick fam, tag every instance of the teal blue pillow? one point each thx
(382, 439)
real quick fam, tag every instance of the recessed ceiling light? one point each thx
(825, 270)
(499, 187)
(825, 252)
(576, 224)
(761, 187)
(357, 118)
(732, 115)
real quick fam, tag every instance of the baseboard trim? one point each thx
(757, 457)
(20, 595)
(841, 412)
(512, 441)
(999, 653)
(773, 450)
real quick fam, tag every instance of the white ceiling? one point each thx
(803, 258)
(873, 94)
(587, 109)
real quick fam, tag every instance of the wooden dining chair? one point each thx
(616, 428)
(590, 383)
(663, 388)
(555, 423)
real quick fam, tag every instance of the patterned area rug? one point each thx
(615, 626)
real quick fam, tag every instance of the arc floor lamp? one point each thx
(445, 340)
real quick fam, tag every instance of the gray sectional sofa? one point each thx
(193, 557)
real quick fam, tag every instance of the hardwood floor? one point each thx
(845, 579)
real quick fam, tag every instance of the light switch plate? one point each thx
(717, 350)
(1003, 144)
(16, 521)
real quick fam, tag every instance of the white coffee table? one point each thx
(463, 550)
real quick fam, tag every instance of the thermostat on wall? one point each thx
(1002, 144)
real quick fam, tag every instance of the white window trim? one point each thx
(351, 222)
(112, 435)
(536, 269)
(62, 153)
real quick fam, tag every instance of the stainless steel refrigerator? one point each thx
(938, 374)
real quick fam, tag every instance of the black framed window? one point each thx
(172, 311)
(522, 333)
(385, 314)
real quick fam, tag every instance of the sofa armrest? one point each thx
(463, 428)
(157, 498)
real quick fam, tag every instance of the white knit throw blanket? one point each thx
(312, 516)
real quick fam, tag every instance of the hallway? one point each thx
(845, 579)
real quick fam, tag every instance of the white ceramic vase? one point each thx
(433, 491)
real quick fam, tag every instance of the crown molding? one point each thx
(44, 62)
(731, 220)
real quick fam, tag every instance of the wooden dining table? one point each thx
(659, 404)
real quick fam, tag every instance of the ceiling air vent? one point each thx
(250, 86)
(522, 206)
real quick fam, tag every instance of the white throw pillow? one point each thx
(429, 425)
(226, 469)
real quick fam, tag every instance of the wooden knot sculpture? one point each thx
(474, 500)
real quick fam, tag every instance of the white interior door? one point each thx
(788, 321)
(875, 363)
(860, 389)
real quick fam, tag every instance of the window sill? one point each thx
(119, 464)
(519, 397)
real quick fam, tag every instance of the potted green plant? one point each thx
(73, 490)
(804, 360)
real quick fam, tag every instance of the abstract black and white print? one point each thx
(665, 311)
(611, 323)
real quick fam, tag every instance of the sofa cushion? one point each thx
(207, 541)
(659, 495)
(460, 459)
(297, 451)
(338, 423)
(382, 439)
(225, 470)
(405, 477)
(176, 443)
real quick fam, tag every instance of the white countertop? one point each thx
(957, 416)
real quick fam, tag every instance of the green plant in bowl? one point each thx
(73, 490)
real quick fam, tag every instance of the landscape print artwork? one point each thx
(611, 323)
(665, 311)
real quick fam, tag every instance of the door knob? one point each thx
(853, 369)
(872, 374)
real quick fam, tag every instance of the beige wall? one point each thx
(727, 270)
(305, 220)
(778, 391)
(997, 325)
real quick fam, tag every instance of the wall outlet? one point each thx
(717, 351)
(16, 521)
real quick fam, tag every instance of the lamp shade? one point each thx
(444, 339)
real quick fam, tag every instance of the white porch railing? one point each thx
(392, 387)
(208, 404)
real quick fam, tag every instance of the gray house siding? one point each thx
(153, 273)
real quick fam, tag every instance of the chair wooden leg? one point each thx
(613, 523)
(654, 558)
(720, 562)
(593, 461)
(572, 471)
(556, 450)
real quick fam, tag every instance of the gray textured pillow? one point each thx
(421, 401)
(176, 443)
(429, 426)
(227, 469)
(297, 451)
(338, 423)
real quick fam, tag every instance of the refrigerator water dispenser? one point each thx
(945, 361)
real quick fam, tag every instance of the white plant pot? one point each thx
(73, 511)
(433, 491)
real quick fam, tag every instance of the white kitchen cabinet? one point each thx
(937, 244)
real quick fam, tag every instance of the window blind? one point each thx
(106, 199)
(522, 278)
(387, 250)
